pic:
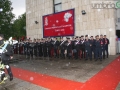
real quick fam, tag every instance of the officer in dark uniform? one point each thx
(98, 49)
(24, 47)
(73, 47)
(80, 49)
(18, 47)
(35, 48)
(15, 48)
(106, 45)
(87, 48)
(62, 48)
(76, 47)
(82, 42)
(92, 47)
(52, 49)
(49, 47)
(31, 48)
(27, 48)
(39, 48)
(69, 48)
(56, 47)
(102, 42)
(5, 57)
(44, 48)
(21, 47)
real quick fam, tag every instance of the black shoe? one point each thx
(11, 78)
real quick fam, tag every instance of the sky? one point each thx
(18, 7)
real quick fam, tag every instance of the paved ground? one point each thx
(75, 70)
(18, 84)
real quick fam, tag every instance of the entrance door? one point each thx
(118, 41)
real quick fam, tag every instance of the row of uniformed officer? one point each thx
(78, 47)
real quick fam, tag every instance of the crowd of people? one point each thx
(83, 47)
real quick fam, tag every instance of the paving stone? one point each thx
(76, 70)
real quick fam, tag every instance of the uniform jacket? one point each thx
(9, 51)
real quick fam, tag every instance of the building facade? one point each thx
(94, 22)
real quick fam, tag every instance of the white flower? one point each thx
(67, 16)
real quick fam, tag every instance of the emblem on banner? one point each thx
(67, 16)
(46, 21)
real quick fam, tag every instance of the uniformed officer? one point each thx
(5, 57)
(92, 47)
(69, 48)
(80, 49)
(16, 48)
(31, 48)
(49, 47)
(62, 48)
(44, 48)
(41, 48)
(21, 47)
(56, 47)
(82, 45)
(106, 45)
(27, 48)
(35, 48)
(73, 43)
(76, 47)
(102, 42)
(87, 48)
(98, 48)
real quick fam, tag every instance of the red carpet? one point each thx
(46, 81)
(106, 79)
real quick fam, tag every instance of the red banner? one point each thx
(59, 24)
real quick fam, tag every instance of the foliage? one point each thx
(6, 18)
(19, 26)
(9, 26)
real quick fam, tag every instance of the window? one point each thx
(119, 20)
(57, 5)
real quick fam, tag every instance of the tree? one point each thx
(6, 18)
(19, 26)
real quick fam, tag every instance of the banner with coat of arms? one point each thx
(59, 24)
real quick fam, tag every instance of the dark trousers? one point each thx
(56, 52)
(62, 55)
(40, 52)
(76, 54)
(44, 52)
(98, 53)
(6, 63)
(92, 50)
(69, 53)
(103, 51)
(49, 52)
(25, 51)
(88, 53)
(106, 50)
(31, 53)
(35, 52)
(83, 52)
